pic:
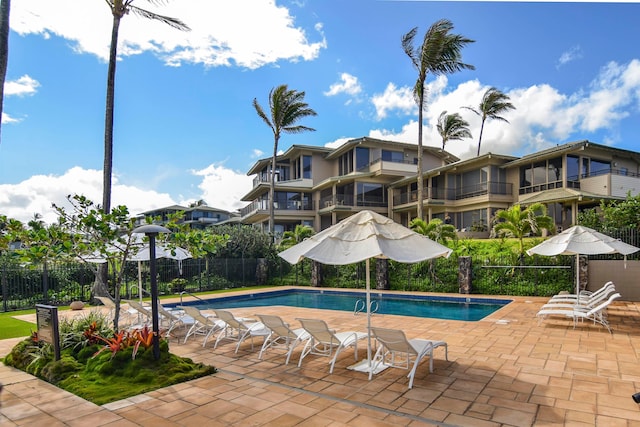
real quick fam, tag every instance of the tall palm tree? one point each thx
(286, 107)
(439, 53)
(518, 223)
(452, 127)
(120, 8)
(5, 9)
(492, 105)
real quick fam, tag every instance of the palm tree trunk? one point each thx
(272, 186)
(420, 151)
(480, 137)
(108, 120)
(5, 9)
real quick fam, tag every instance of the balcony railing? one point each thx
(574, 180)
(290, 205)
(349, 200)
(481, 189)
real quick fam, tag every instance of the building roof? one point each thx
(437, 152)
(291, 151)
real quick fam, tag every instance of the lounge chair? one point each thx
(239, 329)
(582, 295)
(396, 351)
(111, 305)
(325, 342)
(584, 302)
(144, 312)
(204, 325)
(281, 334)
(597, 314)
(171, 319)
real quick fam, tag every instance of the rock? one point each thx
(76, 305)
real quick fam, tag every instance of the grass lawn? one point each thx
(14, 328)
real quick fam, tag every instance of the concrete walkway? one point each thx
(505, 370)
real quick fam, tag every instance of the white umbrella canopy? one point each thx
(361, 237)
(579, 240)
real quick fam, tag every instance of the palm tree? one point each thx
(435, 229)
(300, 233)
(120, 8)
(492, 105)
(518, 223)
(5, 9)
(452, 127)
(440, 53)
(286, 107)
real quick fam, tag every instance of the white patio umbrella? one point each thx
(140, 252)
(579, 240)
(361, 237)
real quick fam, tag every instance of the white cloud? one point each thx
(8, 119)
(348, 84)
(23, 86)
(571, 55)
(256, 153)
(394, 98)
(222, 187)
(36, 194)
(543, 116)
(222, 32)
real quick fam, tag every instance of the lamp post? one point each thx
(151, 231)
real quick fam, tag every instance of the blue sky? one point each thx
(185, 128)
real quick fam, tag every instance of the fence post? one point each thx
(464, 274)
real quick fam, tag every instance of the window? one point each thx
(392, 156)
(306, 167)
(370, 194)
(573, 168)
(345, 163)
(362, 157)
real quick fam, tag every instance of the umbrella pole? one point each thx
(140, 281)
(368, 299)
(578, 277)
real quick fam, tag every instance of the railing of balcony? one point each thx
(290, 205)
(379, 159)
(337, 200)
(491, 187)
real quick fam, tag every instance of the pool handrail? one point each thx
(373, 307)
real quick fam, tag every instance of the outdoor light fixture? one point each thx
(151, 231)
(636, 397)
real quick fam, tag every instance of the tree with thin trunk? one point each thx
(439, 53)
(286, 108)
(518, 222)
(492, 105)
(5, 10)
(120, 8)
(452, 127)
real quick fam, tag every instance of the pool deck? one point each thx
(505, 370)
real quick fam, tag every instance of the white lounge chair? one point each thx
(125, 313)
(204, 325)
(281, 334)
(171, 319)
(238, 329)
(597, 314)
(584, 302)
(396, 351)
(582, 295)
(325, 342)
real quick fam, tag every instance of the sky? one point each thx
(185, 127)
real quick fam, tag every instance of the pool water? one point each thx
(451, 308)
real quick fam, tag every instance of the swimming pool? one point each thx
(438, 307)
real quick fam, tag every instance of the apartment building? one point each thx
(319, 186)
(197, 216)
(567, 179)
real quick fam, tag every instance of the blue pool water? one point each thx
(452, 308)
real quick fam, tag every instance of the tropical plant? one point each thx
(492, 105)
(439, 53)
(519, 223)
(286, 108)
(5, 11)
(120, 8)
(452, 127)
(435, 229)
(290, 238)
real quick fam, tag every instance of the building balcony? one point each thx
(341, 200)
(261, 206)
(466, 192)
